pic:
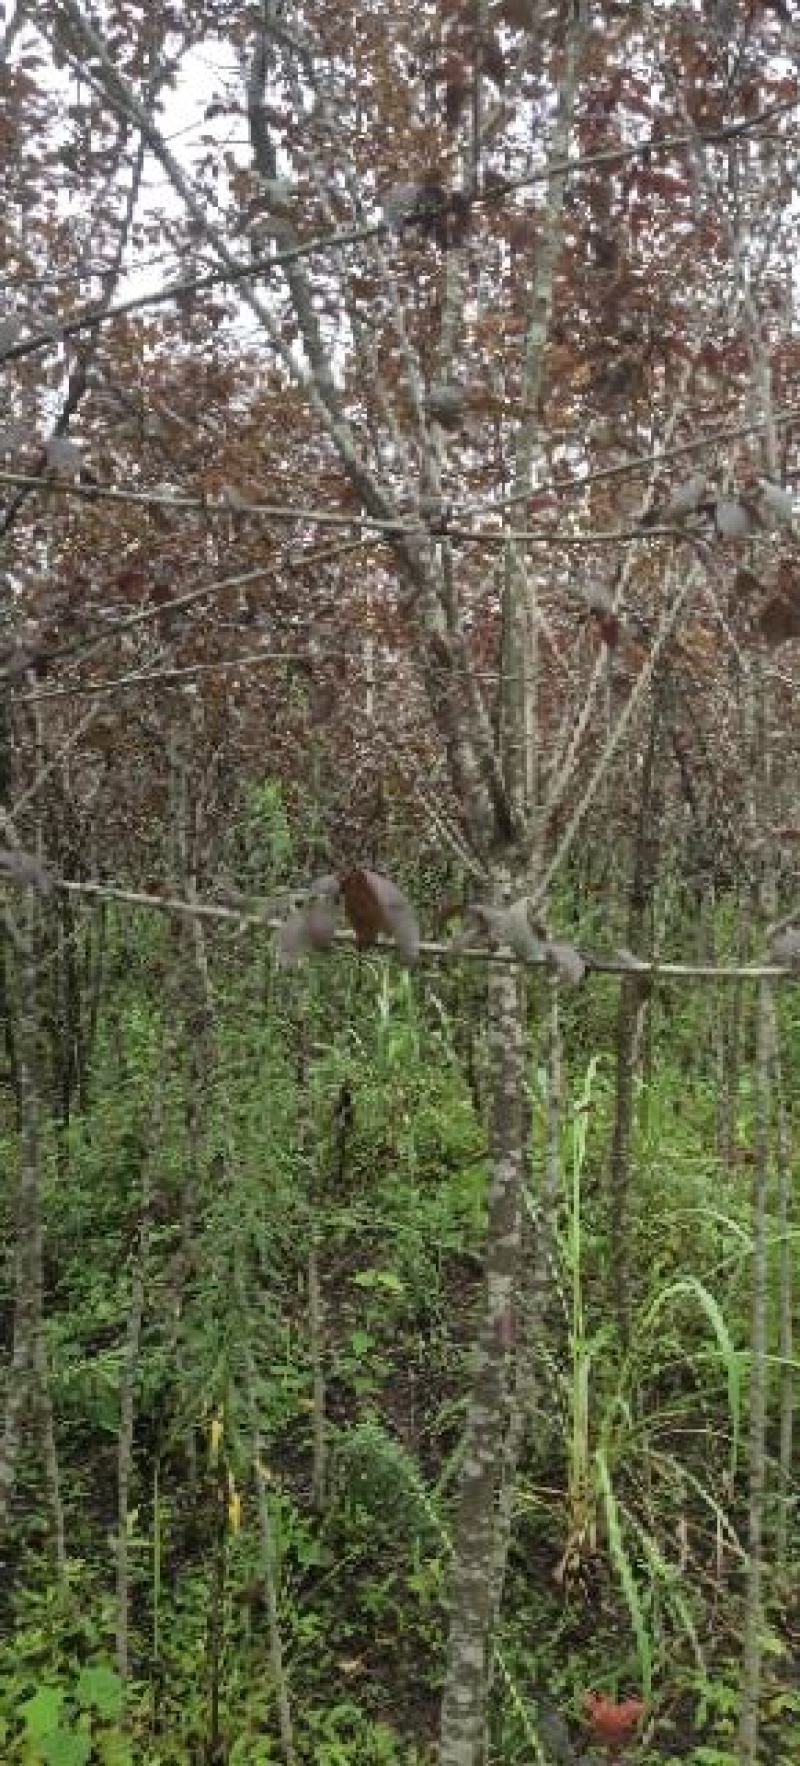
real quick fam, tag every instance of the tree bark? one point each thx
(747, 1750)
(28, 1382)
(785, 1295)
(631, 995)
(489, 1415)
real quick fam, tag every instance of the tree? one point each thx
(480, 237)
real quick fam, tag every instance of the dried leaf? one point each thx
(566, 961)
(446, 403)
(511, 926)
(627, 958)
(312, 927)
(494, 61)
(779, 620)
(517, 14)
(65, 459)
(9, 332)
(612, 1723)
(685, 499)
(746, 580)
(23, 870)
(375, 905)
(776, 505)
(12, 437)
(455, 93)
(328, 885)
(784, 947)
(732, 519)
(600, 604)
(399, 205)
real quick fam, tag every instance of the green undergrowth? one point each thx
(340, 1111)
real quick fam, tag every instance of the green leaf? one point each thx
(41, 1713)
(625, 1573)
(379, 1278)
(66, 1747)
(689, 1285)
(249, 1750)
(100, 1688)
(114, 1748)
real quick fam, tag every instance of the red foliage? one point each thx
(612, 1724)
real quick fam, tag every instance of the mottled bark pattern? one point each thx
(463, 1707)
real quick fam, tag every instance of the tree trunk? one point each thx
(785, 1295)
(478, 1518)
(28, 1385)
(747, 1751)
(632, 992)
(130, 1375)
(538, 1251)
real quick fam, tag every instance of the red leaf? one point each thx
(375, 905)
(612, 1723)
(516, 14)
(779, 620)
(609, 629)
(494, 61)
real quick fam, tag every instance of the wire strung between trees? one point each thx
(381, 526)
(257, 268)
(181, 504)
(235, 505)
(175, 676)
(432, 949)
(629, 468)
(315, 655)
(83, 647)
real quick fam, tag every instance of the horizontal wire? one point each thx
(86, 689)
(382, 527)
(257, 267)
(184, 504)
(82, 648)
(430, 948)
(228, 506)
(224, 664)
(629, 468)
